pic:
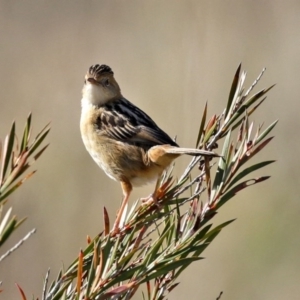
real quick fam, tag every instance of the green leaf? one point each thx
(248, 171)
(162, 269)
(153, 253)
(18, 170)
(254, 151)
(233, 89)
(266, 132)
(108, 249)
(37, 155)
(222, 166)
(39, 139)
(186, 251)
(26, 134)
(214, 232)
(249, 113)
(90, 279)
(210, 131)
(8, 230)
(231, 193)
(7, 152)
(203, 120)
(256, 97)
(246, 106)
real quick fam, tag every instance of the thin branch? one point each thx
(45, 284)
(220, 295)
(26, 237)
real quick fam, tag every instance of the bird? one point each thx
(122, 139)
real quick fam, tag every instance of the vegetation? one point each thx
(157, 243)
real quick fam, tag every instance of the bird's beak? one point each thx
(92, 80)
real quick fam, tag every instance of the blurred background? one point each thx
(169, 57)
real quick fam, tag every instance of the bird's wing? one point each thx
(123, 121)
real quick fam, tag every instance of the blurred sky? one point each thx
(169, 57)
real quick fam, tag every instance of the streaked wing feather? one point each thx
(124, 121)
(156, 135)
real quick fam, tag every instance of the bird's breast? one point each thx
(120, 161)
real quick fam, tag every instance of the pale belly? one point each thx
(120, 161)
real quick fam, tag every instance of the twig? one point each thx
(183, 189)
(26, 237)
(171, 211)
(189, 168)
(45, 284)
(220, 295)
(255, 82)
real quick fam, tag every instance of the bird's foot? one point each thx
(152, 198)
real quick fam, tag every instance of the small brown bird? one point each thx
(123, 140)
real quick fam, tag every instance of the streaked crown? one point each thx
(96, 70)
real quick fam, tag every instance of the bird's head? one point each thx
(100, 85)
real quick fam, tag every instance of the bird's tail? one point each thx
(190, 151)
(163, 155)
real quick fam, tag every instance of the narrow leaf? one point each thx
(222, 166)
(21, 292)
(38, 141)
(233, 89)
(26, 134)
(203, 120)
(106, 221)
(8, 230)
(266, 132)
(4, 221)
(36, 156)
(248, 171)
(210, 129)
(162, 269)
(231, 193)
(7, 151)
(257, 96)
(79, 273)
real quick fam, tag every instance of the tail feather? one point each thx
(190, 151)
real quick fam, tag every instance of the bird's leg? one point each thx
(126, 188)
(153, 196)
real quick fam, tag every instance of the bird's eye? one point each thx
(106, 82)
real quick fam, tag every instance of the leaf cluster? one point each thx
(156, 243)
(15, 161)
